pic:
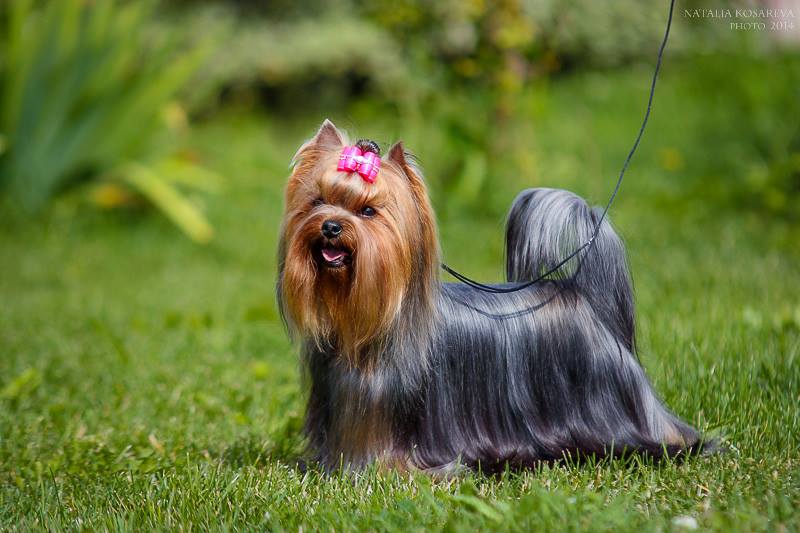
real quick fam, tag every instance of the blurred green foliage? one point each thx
(456, 77)
(87, 93)
(453, 70)
(102, 91)
(750, 129)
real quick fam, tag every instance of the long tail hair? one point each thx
(544, 225)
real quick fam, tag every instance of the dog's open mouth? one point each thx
(333, 256)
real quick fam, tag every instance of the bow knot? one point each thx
(353, 159)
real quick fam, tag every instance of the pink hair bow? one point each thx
(366, 164)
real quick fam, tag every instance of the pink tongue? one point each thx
(332, 255)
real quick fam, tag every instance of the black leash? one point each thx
(500, 290)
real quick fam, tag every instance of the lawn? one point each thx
(146, 382)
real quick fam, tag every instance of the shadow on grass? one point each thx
(285, 445)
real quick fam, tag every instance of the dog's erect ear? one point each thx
(397, 155)
(408, 164)
(404, 160)
(328, 136)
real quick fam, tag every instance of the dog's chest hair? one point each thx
(358, 407)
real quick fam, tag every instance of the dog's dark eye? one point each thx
(368, 212)
(317, 202)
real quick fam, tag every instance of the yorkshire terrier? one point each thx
(414, 373)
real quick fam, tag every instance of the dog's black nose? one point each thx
(331, 228)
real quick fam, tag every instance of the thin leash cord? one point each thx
(502, 290)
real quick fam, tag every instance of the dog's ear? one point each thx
(401, 158)
(328, 136)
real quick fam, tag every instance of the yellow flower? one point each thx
(671, 159)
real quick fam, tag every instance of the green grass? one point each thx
(146, 382)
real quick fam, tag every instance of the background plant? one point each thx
(749, 131)
(458, 74)
(87, 93)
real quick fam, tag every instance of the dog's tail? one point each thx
(546, 225)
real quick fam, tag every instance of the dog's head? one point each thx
(356, 257)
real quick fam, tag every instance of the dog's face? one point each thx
(352, 251)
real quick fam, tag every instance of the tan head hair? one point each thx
(388, 232)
